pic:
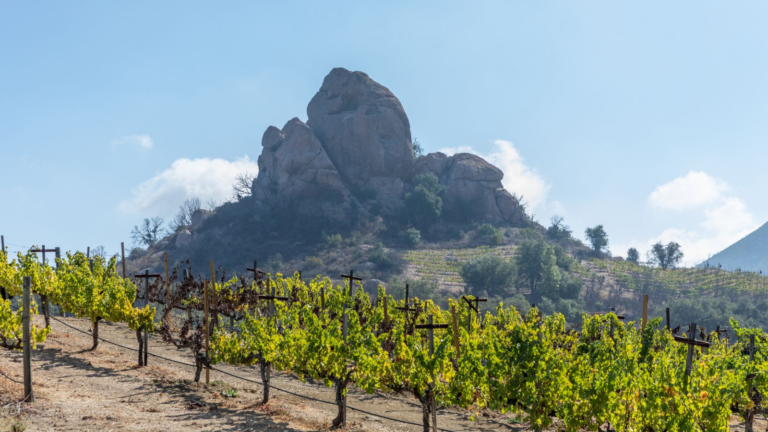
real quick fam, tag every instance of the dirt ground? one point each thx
(80, 390)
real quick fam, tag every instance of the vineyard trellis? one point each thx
(626, 375)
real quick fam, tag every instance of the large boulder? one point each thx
(294, 166)
(364, 129)
(473, 189)
(356, 149)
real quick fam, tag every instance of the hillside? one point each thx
(747, 254)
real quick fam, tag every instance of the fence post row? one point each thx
(29, 396)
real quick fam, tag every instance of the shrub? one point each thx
(558, 231)
(491, 274)
(412, 236)
(495, 236)
(384, 260)
(314, 262)
(423, 203)
(331, 241)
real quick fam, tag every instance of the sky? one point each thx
(646, 117)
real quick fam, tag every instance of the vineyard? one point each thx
(607, 374)
(443, 265)
(685, 281)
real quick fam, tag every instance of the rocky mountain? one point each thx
(345, 173)
(355, 153)
(747, 254)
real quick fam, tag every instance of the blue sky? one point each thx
(648, 117)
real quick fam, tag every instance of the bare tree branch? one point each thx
(184, 215)
(243, 184)
(148, 233)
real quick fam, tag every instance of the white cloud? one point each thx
(518, 177)
(725, 219)
(692, 190)
(141, 141)
(186, 178)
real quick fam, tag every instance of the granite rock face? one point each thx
(356, 147)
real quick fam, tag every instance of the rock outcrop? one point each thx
(294, 165)
(356, 147)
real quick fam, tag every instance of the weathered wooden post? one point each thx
(691, 342)
(645, 310)
(386, 311)
(266, 369)
(431, 326)
(29, 396)
(406, 306)
(167, 287)
(144, 344)
(43, 297)
(668, 327)
(749, 415)
(474, 304)
(3, 293)
(207, 334)
(122, 255)
(455, 332)
(351, 278)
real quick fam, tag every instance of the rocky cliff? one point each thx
(354, 153)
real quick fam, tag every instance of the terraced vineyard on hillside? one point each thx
(443, 265)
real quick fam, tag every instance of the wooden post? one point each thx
(645, 310)
(3, 293)
(58, 257)
(668, 327)
(455, 332)
(431, 327)
(386, 312)
(352, 280)
(207, 336)
(29, 396)
(122, 254)
(144, 344)
(749, 415)
(213, 295)
(344, 324)
(475, 307)
(167, 285)
(691, 342)
(689, 358)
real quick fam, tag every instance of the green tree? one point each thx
(597, 237)
(550, 275)
(423, 203)
(529, 259)
(412, 236)
(633, 255)
(418, 150)
(490, 273)
(666, 257)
